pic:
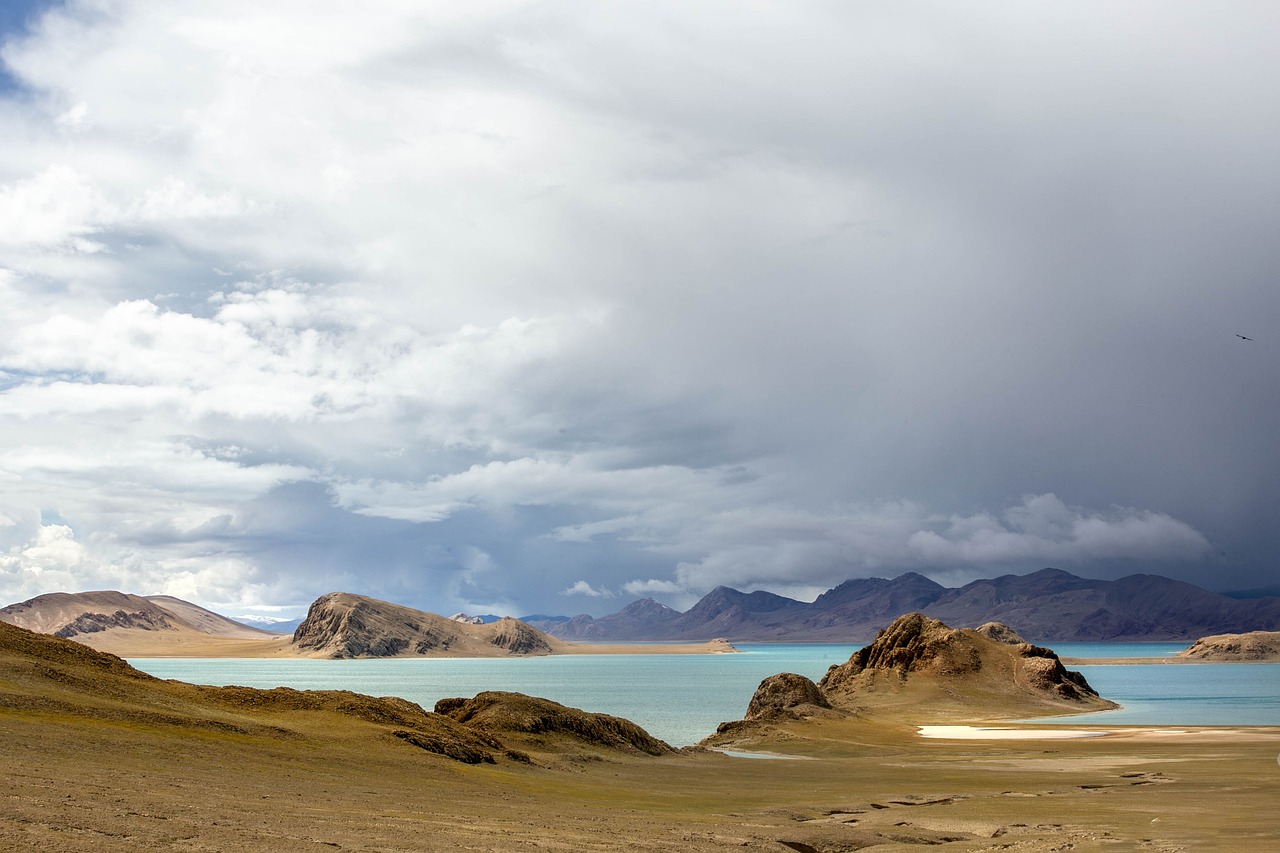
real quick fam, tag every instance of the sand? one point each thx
(988, 733)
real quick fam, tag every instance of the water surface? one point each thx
(682, 698)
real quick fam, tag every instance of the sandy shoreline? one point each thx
(1068, 661)
(189, 644)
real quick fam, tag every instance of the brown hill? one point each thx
(345, 625)
(68, 614)
(921, 662)
(54, 677)
(536, 723)
(58, 678)
(139, 626)
(1256, 646)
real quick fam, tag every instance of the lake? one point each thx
(682, 698)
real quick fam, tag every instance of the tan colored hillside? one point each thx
(338, 625)
(99, 756)
(919, 671)
(143, 626)
(922, 664)
(82, 613)
(345, 625)
(1253, 647)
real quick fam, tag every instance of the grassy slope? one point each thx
(98, 758)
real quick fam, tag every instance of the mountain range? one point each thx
(1045, 606)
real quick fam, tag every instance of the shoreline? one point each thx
(280, 647)
(1072, 661)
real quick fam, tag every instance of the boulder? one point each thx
(543, 725)
(786, 695)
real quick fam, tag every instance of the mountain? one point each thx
(269, 623)
(725, 612)
(345, 625)
(107, 618)
(1258, 592)
(1048, 605)
(1054, 605)
(638, 620)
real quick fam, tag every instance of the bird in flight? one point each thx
(1243, 338)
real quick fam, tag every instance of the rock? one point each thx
(912, 643)
(1261, 646)
(548, 726)
(959, 667)
(518, 638)
(344, 625)
(91, 623)
(786, 695)
(999, 632)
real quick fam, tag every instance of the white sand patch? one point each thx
(984, 733)
(734, 753)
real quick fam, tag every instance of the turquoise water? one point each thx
(679, 698)
(682, 698)
(1209, 694)
(1116, 650)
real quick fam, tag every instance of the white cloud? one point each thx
(584, 588)
(653, 587)
(56, 209)
(621, 287)
(1045, 529)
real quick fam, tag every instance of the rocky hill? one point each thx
(345, 625)
(963, 664)
(1049, 606)
(537, 723)
(1255, 646)
(919, 670)
(105, 616)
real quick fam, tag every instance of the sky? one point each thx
(541, 306)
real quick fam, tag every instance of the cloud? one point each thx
(790, 548)
(584, 588)
(652, 587)
(58, 208)
(1044, 529)
(635, 298)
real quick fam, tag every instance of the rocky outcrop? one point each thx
(91, 623)
(960, 666)
(516, 637)
(999, 632)
(786, 695)
(912, 643)
(344, 625)
(1254, 647)
(541, 724)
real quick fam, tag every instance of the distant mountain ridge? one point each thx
(1046, 606)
